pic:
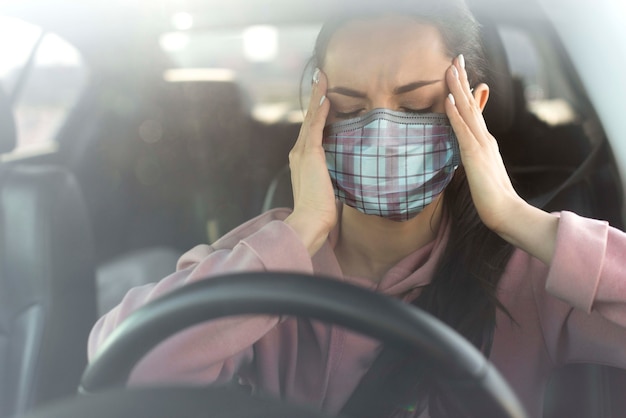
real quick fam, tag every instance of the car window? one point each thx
(534, 64)
(44, 75)
(268, 61)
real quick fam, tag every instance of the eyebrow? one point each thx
(398, 90)
(414, 86)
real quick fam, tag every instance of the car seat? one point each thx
(204, 141)
(47, 290)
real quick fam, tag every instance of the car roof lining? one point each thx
(57, 14)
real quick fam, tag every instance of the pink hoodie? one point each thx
(571, 311)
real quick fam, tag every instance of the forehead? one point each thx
(388, 46)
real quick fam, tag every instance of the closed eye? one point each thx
(411, 110)
(355, 113)
(347, 115)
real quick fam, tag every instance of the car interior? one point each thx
(153, 158)
(47, 289)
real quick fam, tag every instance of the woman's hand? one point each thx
(499, 206)
(315, 211)
(492, 191)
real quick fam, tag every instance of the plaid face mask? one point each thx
(391, 164)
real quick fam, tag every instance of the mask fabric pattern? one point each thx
(391, 164)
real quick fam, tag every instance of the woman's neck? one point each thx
(368, 246)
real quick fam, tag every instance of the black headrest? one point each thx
(214, 110)
(7, 125)
(216, 96)
(500, 110)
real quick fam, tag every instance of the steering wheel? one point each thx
(467, 376)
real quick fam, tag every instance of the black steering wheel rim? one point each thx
(468, 376)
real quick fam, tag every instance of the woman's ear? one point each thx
(481, 95)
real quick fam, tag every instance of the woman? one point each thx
(532, 290)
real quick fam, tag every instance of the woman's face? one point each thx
(392, 62)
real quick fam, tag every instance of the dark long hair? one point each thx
(462, 292)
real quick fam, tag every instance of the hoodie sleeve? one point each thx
(588, 274)
(215, 350)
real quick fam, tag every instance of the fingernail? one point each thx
(461, 61)
(316, 76)
(322, 100)
(455, 71)
(451, 98)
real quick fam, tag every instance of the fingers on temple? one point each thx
(463, 98)
(463, 132)
(318, 109)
